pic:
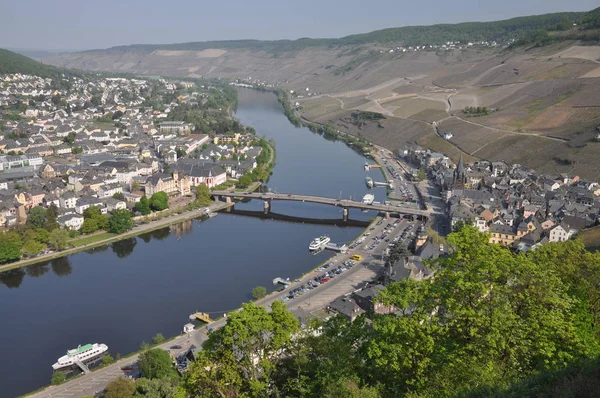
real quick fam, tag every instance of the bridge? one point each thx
(345, 204)
(302, 220)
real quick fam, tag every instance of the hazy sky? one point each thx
(87, 24)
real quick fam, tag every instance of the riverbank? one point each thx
(103, 238)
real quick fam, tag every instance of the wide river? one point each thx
(126, 292)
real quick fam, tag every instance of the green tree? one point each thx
(259, 292)
(107, 360)
(94, 213)
(120, 221)
(119, 196)
(37, 217)
(241, 358)
(32, 247)
(156, 388)
(245, 181)
(158, 339)
(58, 239)
(143, 206)
(51, 219)
(203, 195)
(159, 201)
(120, 388)
(9, 251)
(156, 364)
(89, 226)
(58, 378)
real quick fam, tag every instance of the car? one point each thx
(289, 195)
(176, 347)
(127, 368)
(441, 247)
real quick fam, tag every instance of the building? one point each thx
(108, 190)
(174, 184)
(71, 221)
(176, 127)
(366, 300)
(560, 233)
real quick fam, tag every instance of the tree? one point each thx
(120, 221)
(159, 201)
(89, 226)
(32, 247)
(156, 388)
(9, 251)
(51, 218)
(119, 196)
(58, 239)
(143, 206)
(120, 388)
(58, 378)
(241, 358)
(94, 214)
(259, 292)
(244, 181)
(156, 364)
(37, 217)
(203, 195)
(107, 360)
(158, 339)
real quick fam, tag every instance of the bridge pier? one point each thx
(387, 215)
(227, 199)
(267, 206)
(345, 212)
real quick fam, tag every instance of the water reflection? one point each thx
(123, 248)
(61, 266)
(12, 279)
(37, 270)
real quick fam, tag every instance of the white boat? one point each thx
(368, 198)
(83, 353)
(319, 243)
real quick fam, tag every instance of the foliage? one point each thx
(159, 201)
(120, 388)
(120, 221)
(259, 292)
(36, 217)
(93, 220)
(107, 360)
(158, 338)
(143, 206)
(156, 388)
(155, 364)
(245, 181)
(58, 239)
(488, 318)
(241, 358)
(11, 62)
(203, 195)
(477, 110)
(89, 226)
(58, 378)
(10, 247)
(32, 247)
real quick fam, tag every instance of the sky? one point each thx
(89, 24)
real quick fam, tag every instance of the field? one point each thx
(417, 108)
(438, 144)
(468, 137)
(591, 238)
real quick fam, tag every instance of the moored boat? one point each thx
(83, 353)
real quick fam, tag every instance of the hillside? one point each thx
(11, 62)
(542, 93)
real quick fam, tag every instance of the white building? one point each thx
(71, 221)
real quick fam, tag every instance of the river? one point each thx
(126, 292)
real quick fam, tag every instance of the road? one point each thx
(355, 278)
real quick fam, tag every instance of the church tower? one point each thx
(460, 177)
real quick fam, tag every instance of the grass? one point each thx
(92, 239)
(438, 144)
(591, 238)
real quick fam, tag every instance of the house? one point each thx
(366, 300)
(174, 184)
(347, 307)
(503, 234)
(209, 174)
(175, 127)
(71, 221)
(113, 204)
(85, 202)
(560, 233)
(108, 190)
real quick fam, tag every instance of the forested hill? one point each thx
(11, 62)
(506, 30)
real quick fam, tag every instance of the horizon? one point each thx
(269, 21)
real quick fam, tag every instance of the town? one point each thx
(118, 145)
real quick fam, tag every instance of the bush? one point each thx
(58, 378)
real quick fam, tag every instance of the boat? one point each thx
(83, 353)
(369, 182)
(319, 243)
(368, 198)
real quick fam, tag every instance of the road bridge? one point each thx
(345, 204)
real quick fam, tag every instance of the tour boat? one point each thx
(83, 353)
(319, 243)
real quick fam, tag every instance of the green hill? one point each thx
(11, 62)
(514, 28)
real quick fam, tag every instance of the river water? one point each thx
(126, 292)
